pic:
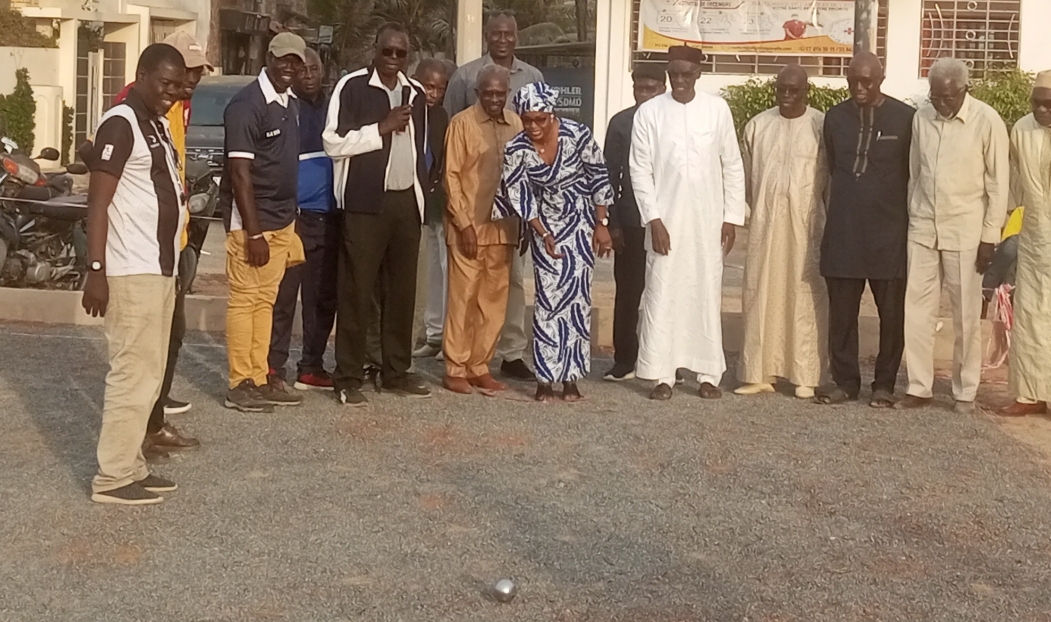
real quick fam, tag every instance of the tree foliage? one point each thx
(17, 111)
(429, 23)
(1007, 92)
(19, 31)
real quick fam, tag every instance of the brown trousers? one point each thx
(477, 304)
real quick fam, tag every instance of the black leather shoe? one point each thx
(517, 369)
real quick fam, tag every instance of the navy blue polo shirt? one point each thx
(262, 125)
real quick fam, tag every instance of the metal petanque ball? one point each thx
(505, 590)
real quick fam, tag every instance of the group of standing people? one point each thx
(326, 199)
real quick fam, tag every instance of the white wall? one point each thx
(42, 64)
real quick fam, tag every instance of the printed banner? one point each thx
(781, 27)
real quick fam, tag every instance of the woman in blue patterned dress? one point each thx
(555, 180)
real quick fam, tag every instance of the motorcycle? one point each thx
(203, 184)
(42, 239)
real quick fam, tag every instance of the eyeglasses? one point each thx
(395, 52)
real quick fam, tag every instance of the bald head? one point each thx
(864, 78)
(307, 84)
(866, 61)
(501, 37)
(791, 91)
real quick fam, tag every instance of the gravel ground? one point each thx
(758, 509)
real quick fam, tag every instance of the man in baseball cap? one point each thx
(286, 43)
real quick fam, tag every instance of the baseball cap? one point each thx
(286, 43)
(192, 52)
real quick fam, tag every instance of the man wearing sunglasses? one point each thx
(501, 38)
(376, 134)
(958, 188)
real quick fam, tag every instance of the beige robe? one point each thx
(784, 299)
(1030, 357)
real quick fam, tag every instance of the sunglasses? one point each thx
(395, 52)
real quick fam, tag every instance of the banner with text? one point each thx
(781, 27)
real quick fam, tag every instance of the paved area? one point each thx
(757, 509)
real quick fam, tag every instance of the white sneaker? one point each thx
(427, 350)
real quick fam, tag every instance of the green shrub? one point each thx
(17, 111)
(20, 32)
(757, 94)
(1007, 92)
(67, 133)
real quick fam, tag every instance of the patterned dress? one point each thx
(563, 196)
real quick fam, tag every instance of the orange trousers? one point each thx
(475, 310)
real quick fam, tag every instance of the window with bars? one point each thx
(762, 64)
(982, 33)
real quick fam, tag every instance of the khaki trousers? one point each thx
(250, 306)
(515, 337)
(475, 309)
(928, 269)
(138, 327)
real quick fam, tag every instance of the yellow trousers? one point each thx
(476, 307)
(250, 307)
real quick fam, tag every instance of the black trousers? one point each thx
(178, 331)
(316, 278)
(389, 240)
(629, 272)
(844, 297)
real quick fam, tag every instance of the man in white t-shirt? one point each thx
(136, 215)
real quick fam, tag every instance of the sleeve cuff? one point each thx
(991, 236)
(461, 221)
(244, 155)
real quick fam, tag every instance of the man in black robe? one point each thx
(867, 140)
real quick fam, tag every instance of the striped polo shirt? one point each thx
(147, 213)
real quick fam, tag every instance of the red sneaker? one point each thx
(313, 381)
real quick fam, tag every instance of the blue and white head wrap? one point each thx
(535, 97)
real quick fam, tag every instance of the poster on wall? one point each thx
(781, 27)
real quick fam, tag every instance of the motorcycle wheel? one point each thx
(3, 254)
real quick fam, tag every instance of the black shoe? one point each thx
(154, 454)
(517, 369)
(155, 483)
(620, 373)
(132, 494)
(246, 398)
(407, 386)
(175, 407)
(276, 392)
(351, 397)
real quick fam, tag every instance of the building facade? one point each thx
(98, 44)
(989, 34)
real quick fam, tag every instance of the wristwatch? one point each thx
(95, 266)
(604, 221)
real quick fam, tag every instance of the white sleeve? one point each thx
(340, 138)
(734, 206)
(640, 164)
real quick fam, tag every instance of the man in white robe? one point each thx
(688, 178)
(1030, 363)
(784, 299)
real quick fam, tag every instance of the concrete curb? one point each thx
(208, 313)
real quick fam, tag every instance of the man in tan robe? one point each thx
(480, 250)
(784, 299)
(1030, 362)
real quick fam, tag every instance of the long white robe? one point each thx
(784, 299)
(1029, 372)
(686, 170)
